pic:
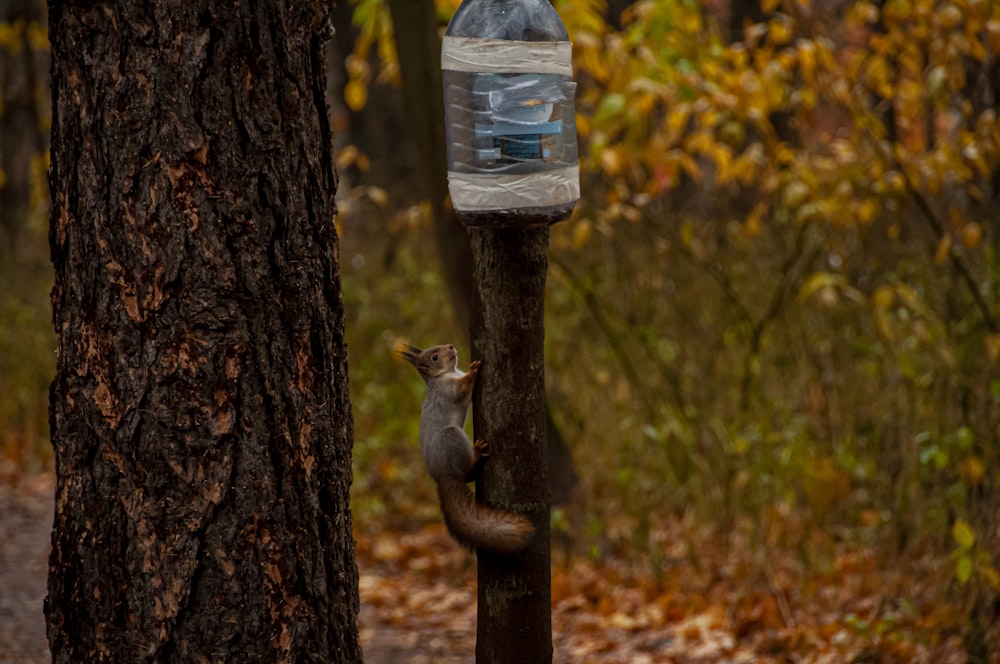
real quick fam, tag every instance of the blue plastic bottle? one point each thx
(511, 126)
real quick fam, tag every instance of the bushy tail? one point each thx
(478, 526)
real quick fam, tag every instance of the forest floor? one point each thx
(25, 526)
(419, 601)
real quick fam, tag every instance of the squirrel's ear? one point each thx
(410, 354)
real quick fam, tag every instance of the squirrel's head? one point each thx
(433, 361)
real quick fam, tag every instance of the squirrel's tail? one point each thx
(479, 526)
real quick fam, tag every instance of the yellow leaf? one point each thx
(351, 155)
(972, 470)
(10, 37)
(880, 76)
(689, 22)
(708, 119)
(754, 220)
(784, 155)
(819, 281)
(943, 249)
(723, 157)
(990, 575)
(612, 161)
(747, 165)
(778, 32)
(733, 133)
(699, 141)
(976, 157)
(963, 534)
(590, 61)
(677, 120)
(867, 210)
(883, 297)
(737, 56)
(795, 194)
(690, 166)
(768, 6)
(644, 104)
(972, 235)
(357, 67)
(356, 95)
(38, 36)
(963, 569)
(582, 231)
(897, 10)
(773, 85)
(948, 17)
(993, 30)
(807, 60)
(895, 181)
(377, 195)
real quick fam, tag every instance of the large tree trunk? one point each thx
(200, 413)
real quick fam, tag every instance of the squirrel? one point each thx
(453, 460)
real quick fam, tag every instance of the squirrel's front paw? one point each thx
(474, 366)
(482, 448)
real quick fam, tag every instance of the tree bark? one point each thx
(515, 617)
(200, 414)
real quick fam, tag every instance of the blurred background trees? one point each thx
(778, 297)
(27, 343)
(780, 288)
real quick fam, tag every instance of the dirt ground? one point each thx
(25, 524)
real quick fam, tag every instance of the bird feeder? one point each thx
(509, 113)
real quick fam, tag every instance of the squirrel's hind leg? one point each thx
(451, 455)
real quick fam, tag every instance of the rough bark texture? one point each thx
(200, 412)
(515, 618)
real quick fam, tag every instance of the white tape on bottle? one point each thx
(503, 56)
(485, 191)
(479, 192)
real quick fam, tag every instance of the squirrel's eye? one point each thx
(434, 358)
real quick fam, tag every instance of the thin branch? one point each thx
(597, 311)
(774, 308)
(615, 341)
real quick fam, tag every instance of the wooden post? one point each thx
(512, 171)
(507, 331)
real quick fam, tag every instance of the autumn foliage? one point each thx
(773, 316)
